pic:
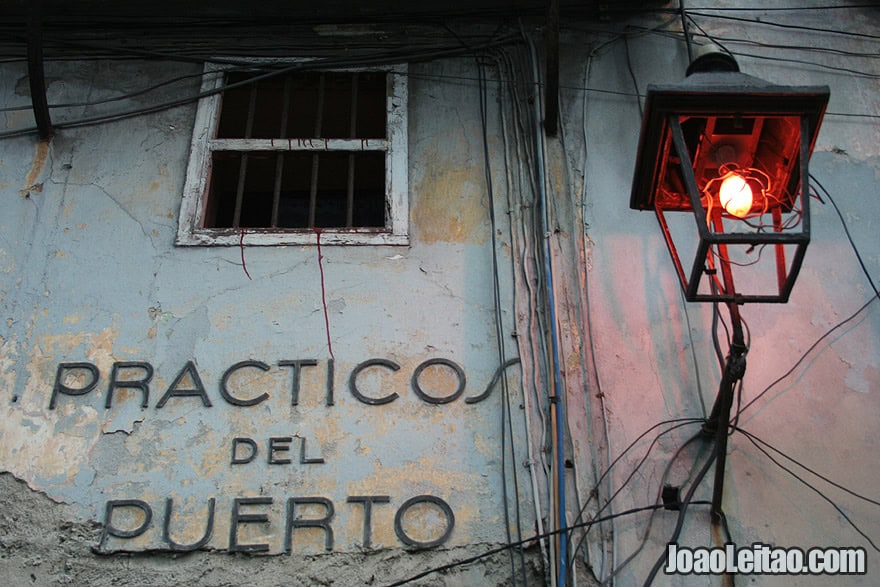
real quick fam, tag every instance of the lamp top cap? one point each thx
(711, 58)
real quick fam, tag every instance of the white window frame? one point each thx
(190, 231)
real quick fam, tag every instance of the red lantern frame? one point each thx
(712, 123)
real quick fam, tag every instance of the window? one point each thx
(277, 160)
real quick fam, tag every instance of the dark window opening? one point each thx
(263, 189)
(304, 105)
(307, 188)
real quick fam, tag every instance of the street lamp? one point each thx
(732, 152)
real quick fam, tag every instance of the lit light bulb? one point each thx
(735, 195)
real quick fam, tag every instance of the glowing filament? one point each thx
(735, 195)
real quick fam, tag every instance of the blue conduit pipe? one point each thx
(558, 391)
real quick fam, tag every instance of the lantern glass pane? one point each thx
(762, 150)
(743, 234)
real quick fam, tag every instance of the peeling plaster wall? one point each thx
(654, 352)
(90, 274)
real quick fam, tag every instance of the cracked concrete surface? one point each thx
(43, 544)
(99, 279)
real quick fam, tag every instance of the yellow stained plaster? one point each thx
(38, 442)
(425, 476)
(436, 221)
(41, 154)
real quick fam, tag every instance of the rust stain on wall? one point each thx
(41, 154)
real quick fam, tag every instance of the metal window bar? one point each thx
(352, 133)
(279, 158)
(319, 119)
(242, 168)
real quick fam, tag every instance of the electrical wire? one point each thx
(686, 502)
(812, 488)
(661, 485)
(803, 48)
(493, 551)
(120, 97)
(783, 8)
(524, 271)
(641, 115)
(415, 14)
(678, 423)
(775, 58)
(807, 352)
(502, 59)
(848, 235)
(374, 60)
(595, 492)
(589, 319)
(684, 31)
(838, 69)
(632, 75)
(766, 444)
(113, 117)
(558, 387)
(773, 24)
(839, 324)
(528, 261)
(506, 421)
(577, 254)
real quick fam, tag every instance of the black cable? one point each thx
(679, 423)
(132, 51)
(374, 60)
(506, 420)
(804, 48)
(739, 394)
(697, 376)
(650, 523)
(716, 343)
(848, 235)
(783, 8)
(112, 117)
(715, 40)
(807, 352)
(681, 514)
(813, 488)
(785, 26)
(716, 319)
(488, 553)
(122, 96)
(846, 70)
(852, 115)
(632, 75)
(705, 34)
(635, 83)
(684, 31)
(726, 527)
(808, 469)
(838, 325)
(415, 14)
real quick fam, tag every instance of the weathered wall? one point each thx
(654, 352)
(89, 272)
